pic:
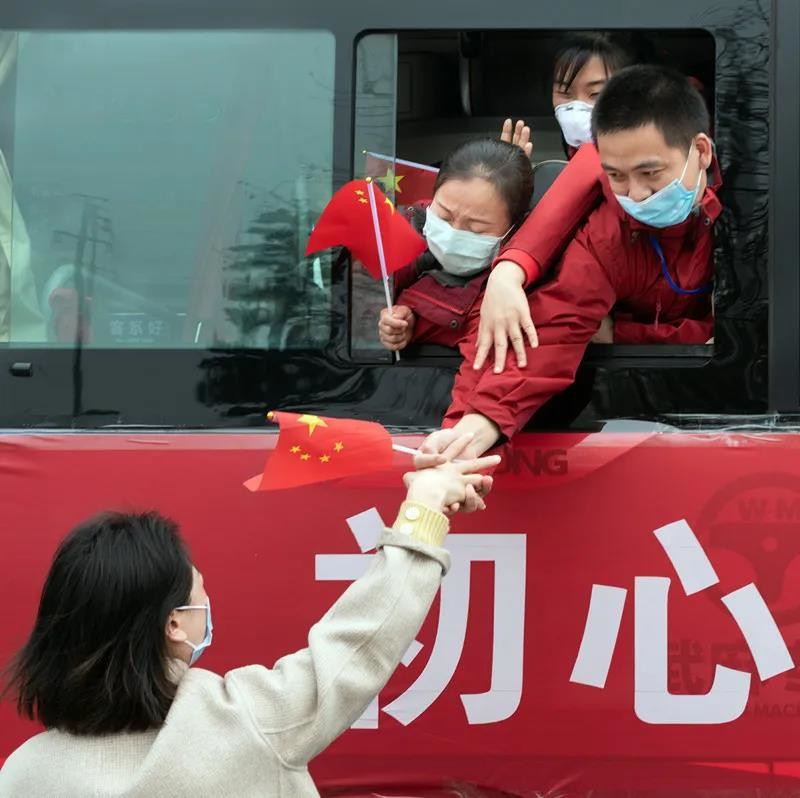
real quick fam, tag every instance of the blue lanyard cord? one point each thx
(703, 289)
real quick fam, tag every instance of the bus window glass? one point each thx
(373, 156)
(157, 189)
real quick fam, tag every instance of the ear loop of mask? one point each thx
(198, 648)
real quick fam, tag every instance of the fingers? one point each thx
(505, 133)
(530, 330)
(457, 445)
(470, 467)
(391, 323)
(524, 139)
(472, 501)
(486, 485)
(394, 329)
(399, 318)
(484, 345)
(392, 337)
(517, 342)
(422, 461)
(438, 441)
(393, 342)
(500, 348)
(520, 137)
(528, 149)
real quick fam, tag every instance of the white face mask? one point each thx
(575, 119)
(459, 252)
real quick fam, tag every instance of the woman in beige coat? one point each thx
(124, 614)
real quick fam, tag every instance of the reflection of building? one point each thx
(20, 315)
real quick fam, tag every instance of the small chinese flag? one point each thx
(347, 221)
(410, 182)
(315, 449)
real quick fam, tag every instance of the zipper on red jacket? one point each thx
(658, 311)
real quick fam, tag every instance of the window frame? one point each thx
(784, 210)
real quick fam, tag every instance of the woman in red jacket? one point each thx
(481, 194)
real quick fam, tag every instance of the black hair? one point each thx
(96, 661)
(643, 95)
(615, 51)
(503, 165)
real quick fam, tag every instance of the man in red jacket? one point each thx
(646, 251)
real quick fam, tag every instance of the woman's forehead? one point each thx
(472, 193)
(592, 72)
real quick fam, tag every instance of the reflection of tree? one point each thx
(271, 298)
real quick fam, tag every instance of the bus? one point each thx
(624, 619)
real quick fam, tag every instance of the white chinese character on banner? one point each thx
(507, 552)
(653, 703)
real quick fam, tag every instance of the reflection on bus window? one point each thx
(17, 283)
(162, 195)
(374, 131)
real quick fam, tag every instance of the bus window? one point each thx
(451, 86)
(374, 134)
(157, 189)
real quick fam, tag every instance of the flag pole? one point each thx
(414, 452)
(381, 256)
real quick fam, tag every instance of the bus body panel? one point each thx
(494, 704)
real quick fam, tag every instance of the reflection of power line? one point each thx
(95, 231)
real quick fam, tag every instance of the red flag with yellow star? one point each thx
(347, 221)
(315, 449)
(408, 181)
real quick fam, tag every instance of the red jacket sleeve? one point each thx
(568, 312)
(404, 277)
(680, 331)
(407, 275)
(558, 214)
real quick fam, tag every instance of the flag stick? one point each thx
(398, 447)
(381, 255)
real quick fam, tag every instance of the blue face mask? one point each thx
(459, 252)
(668, 206)
(198, 649)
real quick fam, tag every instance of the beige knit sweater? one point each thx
(252, 731)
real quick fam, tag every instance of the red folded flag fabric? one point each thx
(410, 182)
(316, 449)
(347, 221)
